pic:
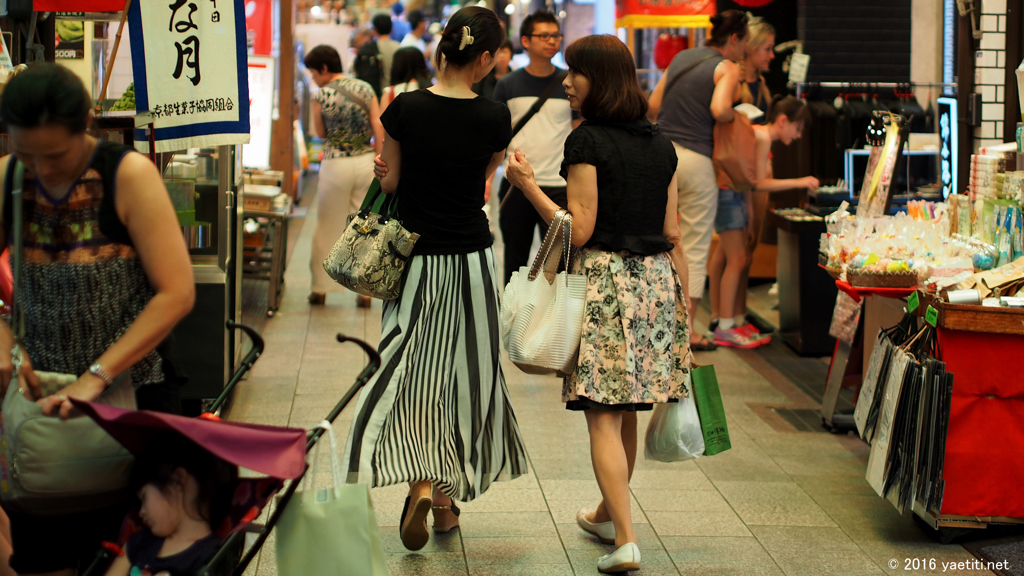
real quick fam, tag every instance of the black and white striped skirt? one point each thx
(438, 409)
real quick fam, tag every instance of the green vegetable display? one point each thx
(70, 31)
(127, 100)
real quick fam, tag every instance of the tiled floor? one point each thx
(779, 503)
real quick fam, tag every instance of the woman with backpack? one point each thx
(104, 278)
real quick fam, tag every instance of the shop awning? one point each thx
(664, 13)
(78, 5)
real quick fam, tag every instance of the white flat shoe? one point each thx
(624, 559)
(605, 531)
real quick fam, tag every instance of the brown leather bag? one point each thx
(734, 156)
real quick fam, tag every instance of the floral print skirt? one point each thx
(635, 347)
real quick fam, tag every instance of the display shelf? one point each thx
(848, 169)
(984, 319)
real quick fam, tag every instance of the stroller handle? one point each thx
(371, 368)
(314, 435)
(246, 364)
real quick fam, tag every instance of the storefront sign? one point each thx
(259, 25)
(664, 13)
(89, 16)
(262, 82)
(190, 67)
(70, 40)
(948, 149)
(78, 5)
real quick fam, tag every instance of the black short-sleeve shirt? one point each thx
(447, 144)
(635, 165)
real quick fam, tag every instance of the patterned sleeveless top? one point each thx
(82, 282)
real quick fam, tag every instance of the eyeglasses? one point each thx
(547, 37)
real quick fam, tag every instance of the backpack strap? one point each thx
(686, 71)
(108, 160)
(555, 84)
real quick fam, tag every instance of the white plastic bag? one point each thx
(674, 433)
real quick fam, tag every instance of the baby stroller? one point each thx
(278, 453)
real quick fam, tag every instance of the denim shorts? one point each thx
(732, 211)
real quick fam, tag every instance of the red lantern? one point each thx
(666, 47)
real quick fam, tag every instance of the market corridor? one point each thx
(781, 502)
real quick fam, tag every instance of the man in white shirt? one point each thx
(542, 138)
(419, 30)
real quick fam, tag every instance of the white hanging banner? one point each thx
(190, 66)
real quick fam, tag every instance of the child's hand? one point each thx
(810, 182)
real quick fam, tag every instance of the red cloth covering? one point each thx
(78, 5)
(276, 452)
(983, 466)
(857, 293)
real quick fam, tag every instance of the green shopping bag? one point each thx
(331, 530)
(704, 383)
(376, 201)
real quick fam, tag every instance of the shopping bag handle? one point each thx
(335, 466)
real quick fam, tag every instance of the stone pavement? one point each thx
(779, 503)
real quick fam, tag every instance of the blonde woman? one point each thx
(752, 89)
(756, 61)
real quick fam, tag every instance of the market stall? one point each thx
(636, 15)
(949, 273)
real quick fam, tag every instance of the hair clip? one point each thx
(466, 38)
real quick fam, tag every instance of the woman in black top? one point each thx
(634, 352)
(502, 59)
(438, 413)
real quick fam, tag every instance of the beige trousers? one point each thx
(340, 192)
(698, 205)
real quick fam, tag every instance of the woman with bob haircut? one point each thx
(620, 173)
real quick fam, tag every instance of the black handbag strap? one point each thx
(672, 82)
(17, 251)
(556, 82)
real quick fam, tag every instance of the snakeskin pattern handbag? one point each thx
(371, 254)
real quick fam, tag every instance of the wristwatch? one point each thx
(98, 371)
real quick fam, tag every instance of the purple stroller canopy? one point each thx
(276, 452)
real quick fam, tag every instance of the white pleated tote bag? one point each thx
(542, 309)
